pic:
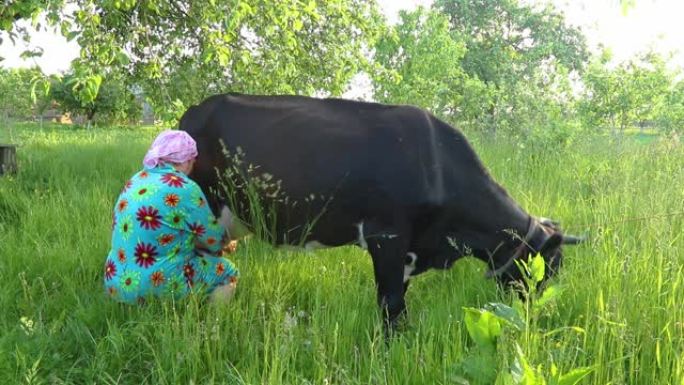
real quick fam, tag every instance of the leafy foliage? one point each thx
(113, 103)
(639, 91)
(182, 51)
(427, 60)
(487, 325)
(517, 50)
(670, 116)
(15, 95)
(13, 11)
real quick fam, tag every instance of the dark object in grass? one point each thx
(8, 159)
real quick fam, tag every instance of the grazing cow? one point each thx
(395, 180)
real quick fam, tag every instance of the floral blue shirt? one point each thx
(165, 239)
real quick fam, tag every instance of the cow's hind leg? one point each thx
(388, 250)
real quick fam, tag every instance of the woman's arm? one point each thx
(201, 222)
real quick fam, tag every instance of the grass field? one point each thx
(311, 318)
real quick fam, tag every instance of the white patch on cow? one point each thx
(410, 267)
(362, 238)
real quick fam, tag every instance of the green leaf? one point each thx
(537, 268)
(31, 53)
(311, 6)
(506, 313)
(483, 327)
(523, 373)
(554, 370)
(71, 35)
(550, 294)
(574, 376)
(297, 25)
(122, 58)
(6, 24)
(223, 57)
(35, 19)
(207, 56)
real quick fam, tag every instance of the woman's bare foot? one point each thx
(223, 294)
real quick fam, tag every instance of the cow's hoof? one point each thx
(395, 327)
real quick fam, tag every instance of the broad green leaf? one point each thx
(574, 376)
(506, 313)
(6, 24)
(71, 35)
(483, 327)
(523, 373)
(35, 19)
(537, 267)
(122, 58)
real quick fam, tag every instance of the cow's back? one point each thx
(355, 160)
(323, 144)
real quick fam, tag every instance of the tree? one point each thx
(13, 11)
(182, 51)
(15, 92)
(508, 45)
(114, 103)
(670, 115)
(427, 61)
(634, 92)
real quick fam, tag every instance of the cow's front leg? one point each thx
(388, 251)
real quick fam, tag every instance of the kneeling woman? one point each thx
(165, 240)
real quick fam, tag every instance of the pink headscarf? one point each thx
(171, 146)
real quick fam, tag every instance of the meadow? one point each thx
(311, 318)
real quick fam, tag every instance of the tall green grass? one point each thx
(311, 318)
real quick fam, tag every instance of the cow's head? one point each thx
(544, 237)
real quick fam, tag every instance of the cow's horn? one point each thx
(573, 239)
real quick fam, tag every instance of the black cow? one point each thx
(393, 179)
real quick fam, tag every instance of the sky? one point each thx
(656, 23)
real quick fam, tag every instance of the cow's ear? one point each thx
(552, 242)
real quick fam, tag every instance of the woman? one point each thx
(165, 240)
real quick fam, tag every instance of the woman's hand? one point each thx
(230, 247)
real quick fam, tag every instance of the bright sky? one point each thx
(652, 22)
